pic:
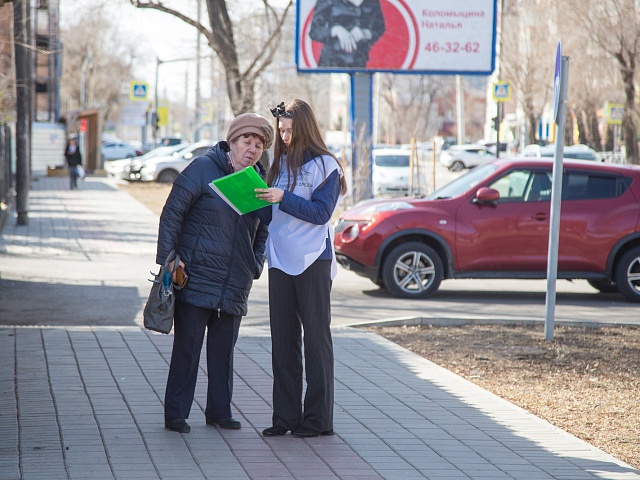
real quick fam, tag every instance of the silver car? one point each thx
(166, 168)
(458, 157)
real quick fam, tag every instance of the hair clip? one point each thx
(279, 111)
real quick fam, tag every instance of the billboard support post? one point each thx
(361, 132)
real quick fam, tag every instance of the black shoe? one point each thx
(177, 425)
(230, 423)
(306, 432)
(274, 431)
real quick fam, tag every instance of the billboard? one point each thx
(402, 36)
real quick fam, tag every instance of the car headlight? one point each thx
(351, 233)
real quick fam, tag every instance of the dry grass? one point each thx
(151, 194)
(586, 382)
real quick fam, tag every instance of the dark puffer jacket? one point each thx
(223, 252)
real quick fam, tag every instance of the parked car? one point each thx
(117, 149)
(166, 168)
(170, 141)
(458, 157)
(122, 168)
(579, 152)
(391, 171)
(493, 222)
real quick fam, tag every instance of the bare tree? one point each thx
(7, 74)
(614, 25)
(93, 31)
(526, 25)
(409, 102)
(241, 74)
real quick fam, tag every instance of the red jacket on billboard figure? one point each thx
(347, 29)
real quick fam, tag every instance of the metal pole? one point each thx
(460, 109)
(556, 197)
(23, 108)
(155, 107)
(498, 123)
(196, 136)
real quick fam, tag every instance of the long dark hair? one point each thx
(305, 140)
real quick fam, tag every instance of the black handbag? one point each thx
(158, 312)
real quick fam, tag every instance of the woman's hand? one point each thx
(271, 195)
(171, 268)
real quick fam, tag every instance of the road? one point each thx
(356, 300)
(85, 258)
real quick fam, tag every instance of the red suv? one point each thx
(493, 222)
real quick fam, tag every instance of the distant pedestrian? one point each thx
(222, 253)
(74, 160)
(307, 181)
(347, 29)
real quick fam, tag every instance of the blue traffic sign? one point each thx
(138, 91)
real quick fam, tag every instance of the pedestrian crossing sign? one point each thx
(138, 91)
(613, 113)
(501, 92)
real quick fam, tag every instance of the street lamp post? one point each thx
(86, 65)
(155, 107)
(154, 113)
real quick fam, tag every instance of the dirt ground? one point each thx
(586, 382)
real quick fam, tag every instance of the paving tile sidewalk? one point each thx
(86, 402)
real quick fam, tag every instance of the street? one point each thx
(85, 259)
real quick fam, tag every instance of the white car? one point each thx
(391, 172)
(166, 168)
(121, 168)
(116, 149)
(457, 157)
(579, 152)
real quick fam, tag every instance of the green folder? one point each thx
(237, 190)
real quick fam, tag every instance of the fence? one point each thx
(6, 178)
(612, 157)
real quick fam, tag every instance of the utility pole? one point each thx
(22, 50)
(460, 110)
(197, 119)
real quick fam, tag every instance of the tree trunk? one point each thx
(608, 138)
(629, 127)
(568, 131)
(594, 130)
(583, 132)
(531, 131)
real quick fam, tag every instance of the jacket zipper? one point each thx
(233, 256)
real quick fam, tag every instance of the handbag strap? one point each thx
(172, 255)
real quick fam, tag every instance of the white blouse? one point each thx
(294, 244)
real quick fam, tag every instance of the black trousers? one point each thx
(296, 303)
(222, 333)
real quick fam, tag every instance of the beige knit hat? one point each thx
(251, 123)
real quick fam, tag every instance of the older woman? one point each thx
(222, 253)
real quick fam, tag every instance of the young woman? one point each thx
(306, 182)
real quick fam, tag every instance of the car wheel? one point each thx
(605, 286)
(412, 270)
(167, 176)
(456, 166)
(628, 275)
